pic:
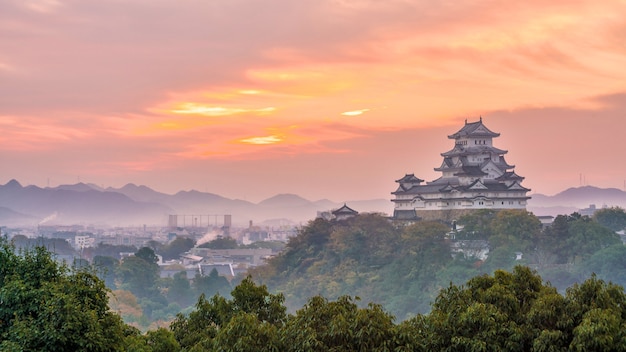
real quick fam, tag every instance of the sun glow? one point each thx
(262, 140)
(205, 110)
(355, 112)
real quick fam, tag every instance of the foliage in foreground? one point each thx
(45, 306)
(509, 311)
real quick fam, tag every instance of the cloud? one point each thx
(355, 112)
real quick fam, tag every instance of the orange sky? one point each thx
(323, 98)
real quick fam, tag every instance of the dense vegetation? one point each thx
(146, 300)
(45, 306)
(427, 300)
(403, 268)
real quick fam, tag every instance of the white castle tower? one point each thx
(474, 175)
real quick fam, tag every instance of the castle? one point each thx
(474, 175)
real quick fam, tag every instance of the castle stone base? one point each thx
(447, 215)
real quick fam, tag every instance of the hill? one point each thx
(404, 267)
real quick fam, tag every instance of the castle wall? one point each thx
(443, 215)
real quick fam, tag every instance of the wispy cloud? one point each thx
(355, 112)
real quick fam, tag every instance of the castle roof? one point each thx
(474, 129)
(345, 210)
(470, 171)
(410, 178)
(510, 175)
(448, 185)
(459, 150)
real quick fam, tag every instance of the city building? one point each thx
(474, 175)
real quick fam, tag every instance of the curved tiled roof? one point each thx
(459, 150)
(510, 175)
(408, 178)
(471, 171)
(474, 129)
(344, 210)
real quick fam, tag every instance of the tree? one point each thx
(340, 325)
(613, 218)
(596, 314)
(251, 305)
(477, 224)
(106, 266)
(159, 340)
(147, 254)
(488, 314)
(518, 229)
(608, 264)
(50, 307)
(211, 284)
(109, 250)
(180, 291)
(221, 243)
(178, 246)
(245, 332)
(139, 273)
(588, 237)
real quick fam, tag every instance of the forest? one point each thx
(363, 284)
(403, 268)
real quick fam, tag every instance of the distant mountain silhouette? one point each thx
(573, 199)
(285, 200)
(79, 187)
(9, 217)
(135, 205)
(77, 204)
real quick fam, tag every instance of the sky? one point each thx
(327, 99)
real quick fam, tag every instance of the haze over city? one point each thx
(324, 99)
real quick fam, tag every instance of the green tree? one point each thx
(179, 290)
(159, 340)
(518, 229)
(340, 325)
(49, 307)
(608, 264)
(211, 284)
(221, 243)
(138, 276)
(588, 237)
(489, 314)
(178, 246)
(105, 267)
(476, 224)
(147, 254)
(596, 314)
(245, 332)
(251, 305)
(613, 218)
(108, 250)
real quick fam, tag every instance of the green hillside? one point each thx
(403, 268)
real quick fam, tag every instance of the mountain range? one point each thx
(134, 205)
